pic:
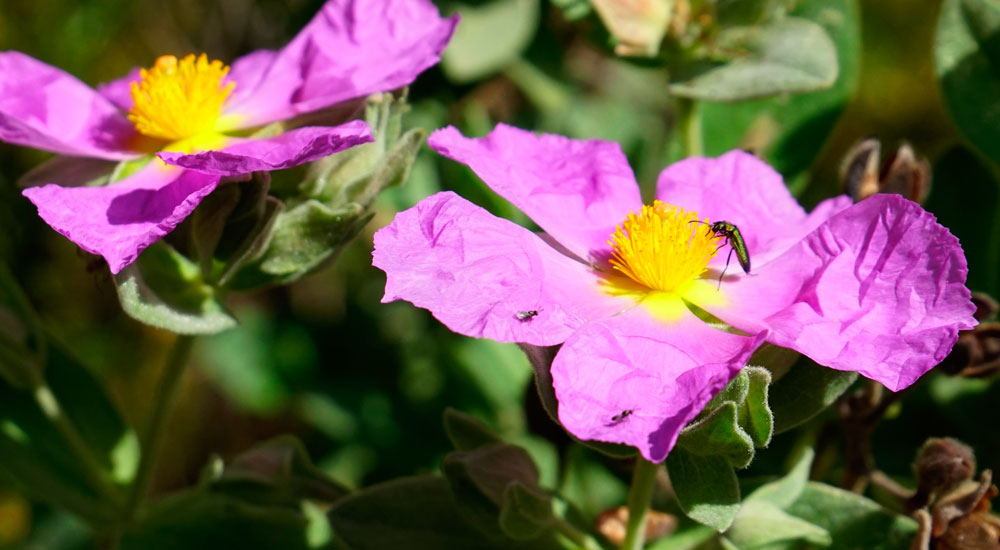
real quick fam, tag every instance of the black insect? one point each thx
(525, 315)
(734, 239)
(621, 416)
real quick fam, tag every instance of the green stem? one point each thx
(581, 541)
(97, 474)
(152, 436)
(689, 126)
(640, 494)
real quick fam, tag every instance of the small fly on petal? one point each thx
(524, 316)
(621, 416)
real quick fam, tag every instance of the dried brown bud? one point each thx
(986, 306)
(942, 464)
(974, 532)
(902, 173)
(976, 353)
(612, 522)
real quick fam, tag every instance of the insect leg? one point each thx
(729, 257)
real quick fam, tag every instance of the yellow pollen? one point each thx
(661, 247)
(179, 99)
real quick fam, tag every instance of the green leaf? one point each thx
(574, 9)
(852, 520)
(489, 469)
(787, 489)
(805, 391)
(966, 199)
(691, 538)
(416, 513)
(38, 460)
(761, 523)
(788, 56)
(279, 473)
(525, 512)
(166, 290)
(203, 519)
(480, 478)
(755, 415)
(967, 56)
(719, 435)
(735, 391)
(589, 484)
(233, 225)
(706, 487)
(790, 131)
(22, 338)
(467, 432)
(209, 220)
(304, 237)
(742, 12)
(489, 38)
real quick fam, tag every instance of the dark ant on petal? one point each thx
(526, 315)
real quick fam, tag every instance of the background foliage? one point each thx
(364, 384)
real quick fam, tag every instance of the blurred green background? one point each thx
(364, 384)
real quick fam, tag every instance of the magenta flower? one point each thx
(632, 292)
(194, 113)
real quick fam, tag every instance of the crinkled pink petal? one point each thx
(285, 150)
(742, 189)
(350, 49)
(120, 220)
(664, 373)
(879, 288)
(119, 90)
(46, 108)
(486, 277)
(577, 191)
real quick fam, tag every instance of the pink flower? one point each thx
(632, 292)
(191, 112)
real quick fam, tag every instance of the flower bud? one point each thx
(902, 173)
(942, 464)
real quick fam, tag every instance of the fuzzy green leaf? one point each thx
(166, 290)
(755, 415)
(967, 55)
(804, 392)
(719, 435)
(490, 37)
(706, 487)
(788, 56)
(467, 432)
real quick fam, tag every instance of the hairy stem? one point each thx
(689, 126)
(152, 436)
(640, 494)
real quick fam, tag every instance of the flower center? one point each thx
(661, 248)
(179, 99)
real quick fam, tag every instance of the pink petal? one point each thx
(120, 220)
(46, 108)
(289, 149)
(577, 191)
(742, 189)
(664, 373)
(119, 91)
(879, 288)
(476, 273)
(352, 48)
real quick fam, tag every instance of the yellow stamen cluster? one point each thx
(179, 99)
(661, 247)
